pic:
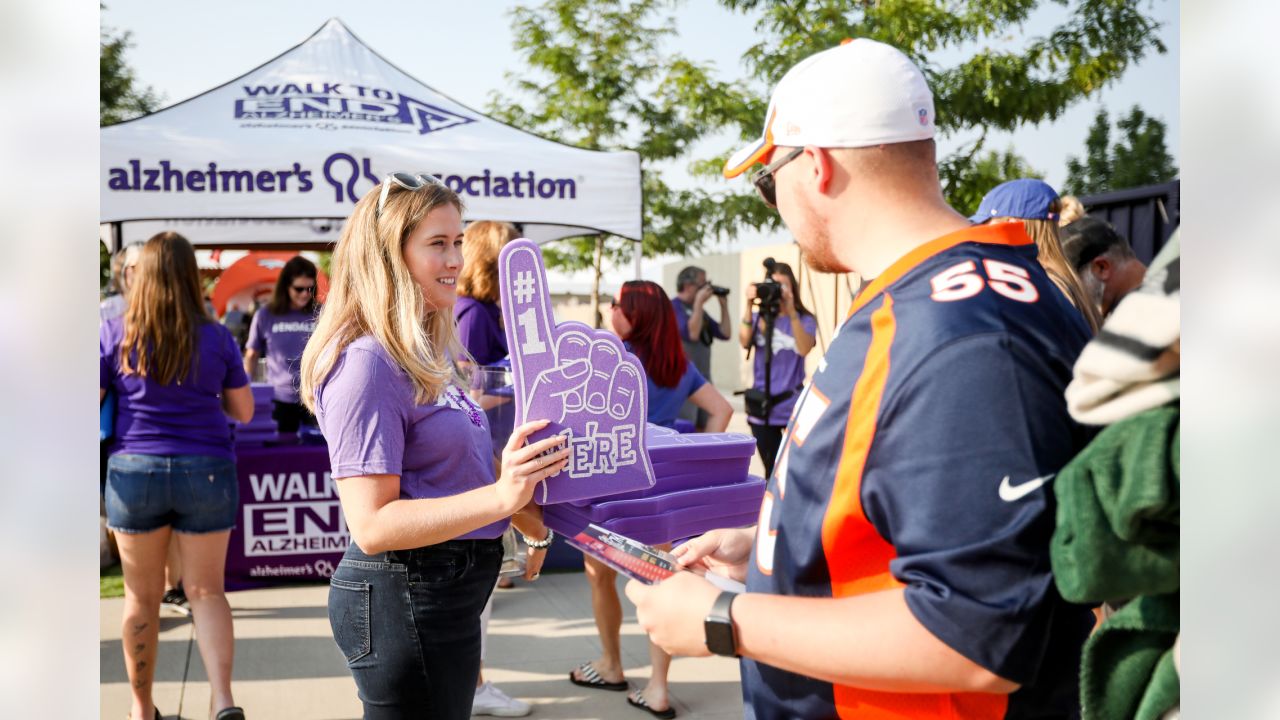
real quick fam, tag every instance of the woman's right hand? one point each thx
(523, 466)
(724, 552)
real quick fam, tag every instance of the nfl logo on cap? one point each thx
(923, 114)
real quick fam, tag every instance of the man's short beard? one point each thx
(817, 251)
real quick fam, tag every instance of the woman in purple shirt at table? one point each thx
(477, 312)
(177, 377)
(279, 332)
(412, 457)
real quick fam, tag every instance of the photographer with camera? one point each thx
(780, 328)
(697, 331)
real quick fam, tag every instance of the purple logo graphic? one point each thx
(923, 114)
(343, 102)
(582, 380)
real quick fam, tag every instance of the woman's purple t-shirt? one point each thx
(367, 413)
(787, 368)
(184, 417)
(281, 340)
(480, 329)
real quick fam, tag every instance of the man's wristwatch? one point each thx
(718, 626)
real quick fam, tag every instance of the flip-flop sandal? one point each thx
(636, 699)
(592, 679)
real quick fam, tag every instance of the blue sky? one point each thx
(465, 49)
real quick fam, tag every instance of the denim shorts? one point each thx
(193, 493)
(408, 623)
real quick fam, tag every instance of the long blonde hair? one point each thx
(165, 312)
(1054, 262)
(371, 292)
(482, 241)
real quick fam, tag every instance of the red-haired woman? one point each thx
(642, 317)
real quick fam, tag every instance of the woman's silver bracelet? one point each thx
(540, 544)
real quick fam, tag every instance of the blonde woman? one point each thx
(177, 377)
(1035, 204)
(412, 456)
(477, 312)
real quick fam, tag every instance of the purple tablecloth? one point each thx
(290, 527)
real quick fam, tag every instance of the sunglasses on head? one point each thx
(408, 181)
(308, 289)
(763, 178)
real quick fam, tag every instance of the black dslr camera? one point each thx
(768, 300)
(721, 291)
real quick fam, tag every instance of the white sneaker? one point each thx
(492, 701)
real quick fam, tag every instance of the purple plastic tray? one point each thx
(666, 445)
(674, 477)
(749, 491)
(657, 529)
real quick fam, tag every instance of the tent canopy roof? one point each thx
(305, 135)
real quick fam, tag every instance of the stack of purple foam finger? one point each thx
(262, 428)
(701, 483)
(640, 480)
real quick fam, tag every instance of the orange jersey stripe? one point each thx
(858, 557)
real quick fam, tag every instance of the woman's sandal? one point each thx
(591, 678)
(231, 713)
(636, 699)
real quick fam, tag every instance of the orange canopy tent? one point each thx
(255, 273)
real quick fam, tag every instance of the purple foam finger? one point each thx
(569, 374)
(529, 319)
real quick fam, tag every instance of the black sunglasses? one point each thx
(763, 178)
(308, 289)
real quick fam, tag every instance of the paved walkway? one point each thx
(287, 666)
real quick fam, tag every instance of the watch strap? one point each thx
(721, 636)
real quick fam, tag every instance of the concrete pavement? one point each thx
(288, 667)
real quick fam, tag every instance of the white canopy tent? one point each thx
(280, 155)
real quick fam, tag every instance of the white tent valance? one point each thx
(297, 141)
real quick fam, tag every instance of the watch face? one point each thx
(720, 637)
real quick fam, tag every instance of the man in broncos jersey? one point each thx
(900, 568)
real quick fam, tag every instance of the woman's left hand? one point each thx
(533, 562)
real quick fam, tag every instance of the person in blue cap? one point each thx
(1037, 206)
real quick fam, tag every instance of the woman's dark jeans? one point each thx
(408, 622)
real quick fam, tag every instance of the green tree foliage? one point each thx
(121, 96)
(981, 78)
(597, 76)
(601, 80)
(1139, 158)
(970, 176)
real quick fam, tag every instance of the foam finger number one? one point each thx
(582, 380)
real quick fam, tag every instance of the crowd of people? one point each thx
(901, 566)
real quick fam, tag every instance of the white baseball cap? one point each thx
(858, 94)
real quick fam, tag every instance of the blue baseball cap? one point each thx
(1025, 199)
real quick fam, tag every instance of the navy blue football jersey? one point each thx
(920, 456)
